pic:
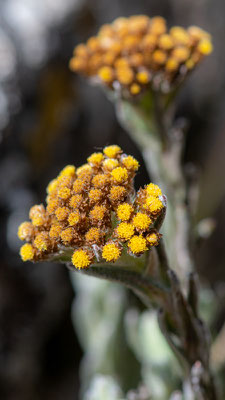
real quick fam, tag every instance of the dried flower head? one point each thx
(93, 213)
(133, 53)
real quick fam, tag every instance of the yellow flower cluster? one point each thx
(93, 212)
(132, 53)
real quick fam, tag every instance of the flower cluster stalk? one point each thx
(161, 146)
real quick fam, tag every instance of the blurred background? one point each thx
(49, 118)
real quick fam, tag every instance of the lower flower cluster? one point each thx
(94, 212)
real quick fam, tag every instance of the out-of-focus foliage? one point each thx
(98, 317)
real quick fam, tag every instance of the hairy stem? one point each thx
(161, 146)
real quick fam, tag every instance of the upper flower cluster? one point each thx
(94, 212)
(132, 53)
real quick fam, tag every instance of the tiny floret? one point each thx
(81, 259)
(153, 239)
(74, 218)
(93, 235)
(153, 190)
(62, 213)
(95, 158)
(76, 200)
(125, 231)
(110, 164)
(64, 193)
(153, 204)
(42, 241)
(27, 252)
(143, 77)
(130, 163)
(106, 74)
(95, 195)
(55, 231)
(119, 175)
(112, 151)
(52, 186)
(117, 194)
(100, 181)
(67, 235)
(79, 186)
(124, 211)
(69, 170)
(205, 47)
(141, 221)
(86, 168)
(98, 213)
(25, 231)
(111, 252)
(137, 244)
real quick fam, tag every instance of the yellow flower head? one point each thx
(95, 158)
(27, 252)
(117, 194)
(100, 181)
(112, 151)
(205, 47)
(93, 235)
(180, 35)
(153, 204)
(119, 175)
(79, 186)
(98, 213)
(131, 54)
(143, 77)
(84, 169)
(141, 221)
(38, 215)
(106, 74)
(62, 213)
(166, 42)
(64, 193)
(76, 200)
(55, 231)
(125, 231)
(153, 190)
(110, 163)
(95, 195)
(93, 210)
(74, 218)
(159, 57)
(52, 186)
(69, 171)
(26, 231)
(52, 204)
(153, 239)
(125, 75)
(81, 259)
(111, 252)
(42, 242)
(67, 235)
(181, 53)
(124, 211)
(36, 210)
(130, 163)
(137, 244)
(135, 89)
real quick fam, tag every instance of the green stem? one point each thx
(149, 129)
